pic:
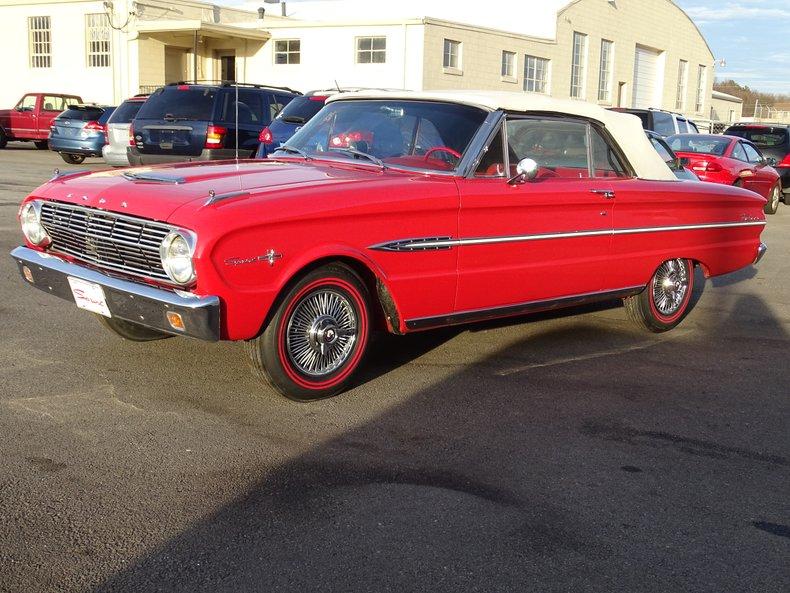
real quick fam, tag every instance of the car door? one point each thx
(23, 122)
(543, 239)
(762, 179)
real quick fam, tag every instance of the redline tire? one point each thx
(131, 331)
(665, 300)
(317, 337)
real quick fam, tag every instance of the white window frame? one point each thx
(288, 52)
(508, 66)
(702, 83)
(682, 88)
(448, 67)
(532, 62)
(370, 52)
(98, 51)
(39, 32)
(606, 72)
(579, 52)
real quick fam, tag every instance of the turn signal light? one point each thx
(215, 135)
(175, 320)
(785, 162)
(94, 126)
(266, 136)
(131, 136)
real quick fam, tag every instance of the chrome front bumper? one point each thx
(131, 301)
(760, 252)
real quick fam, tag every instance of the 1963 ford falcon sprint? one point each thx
(388, 210)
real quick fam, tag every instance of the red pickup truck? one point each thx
(32, 116)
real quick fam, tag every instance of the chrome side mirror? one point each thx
(526, 170)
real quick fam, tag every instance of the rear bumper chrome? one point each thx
(760, 252)
(132, 301)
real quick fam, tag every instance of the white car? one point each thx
(114, 152)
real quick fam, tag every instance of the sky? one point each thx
(751, 36)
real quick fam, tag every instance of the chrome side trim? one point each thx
(761, 249)
(470, 316)
(420, 244)
(429, 243)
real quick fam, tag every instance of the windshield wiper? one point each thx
(358, 153)
(293, 119)
(294, 150)
(169, 117)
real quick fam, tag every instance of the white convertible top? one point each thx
(625, 128)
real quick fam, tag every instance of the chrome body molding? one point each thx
(213, 198)
(153, 177)
(427, 243)
(761, 249)
(470, 316)
(421, 244)
(132, 301)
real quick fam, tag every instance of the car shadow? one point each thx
(642, 467)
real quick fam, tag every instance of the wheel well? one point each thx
(384, 312)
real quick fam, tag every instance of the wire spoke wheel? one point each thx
(321, 332)
(669, 287)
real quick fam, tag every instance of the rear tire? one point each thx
(317, 337)
(72, 159)
(41, 144)
(773, 200)
(664, 302)
(131, 331)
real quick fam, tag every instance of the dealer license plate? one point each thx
(89, 296)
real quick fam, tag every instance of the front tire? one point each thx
(3, 139)
(665, 301)
(773, 200)
(317, 336)
(131, 331)
(72, 159)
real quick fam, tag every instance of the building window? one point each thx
(508, 64)
(97, 40)
(452, 54)
(683, 75)
(536, 74)
(371, 50)
(578, 65)
(605, 72)
(702, 73)
(287, 51)
(40, 41)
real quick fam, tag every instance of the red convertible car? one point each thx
(731, 161)
(435, 209)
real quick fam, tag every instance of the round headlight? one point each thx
(30, 218)
(176, 252)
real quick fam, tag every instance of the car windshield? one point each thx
(762, 137)
(125, 113)
(413, 134)
(301, 109)
(179, 102)
(715, 145)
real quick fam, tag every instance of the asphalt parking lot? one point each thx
(563, 452)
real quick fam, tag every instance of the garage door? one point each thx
(645, 77)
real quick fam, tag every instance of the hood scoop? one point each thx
(153, 177)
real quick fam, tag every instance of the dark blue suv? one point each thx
(191, 122)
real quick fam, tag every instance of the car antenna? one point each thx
(337, 86)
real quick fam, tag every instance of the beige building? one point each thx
(627, 53)
(725, 110)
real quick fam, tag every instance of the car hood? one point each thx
(157, 192)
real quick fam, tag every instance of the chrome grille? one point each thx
(119, 243)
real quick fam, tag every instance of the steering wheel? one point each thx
(446, 149)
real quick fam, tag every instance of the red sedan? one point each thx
(393, 211)
(732, 161)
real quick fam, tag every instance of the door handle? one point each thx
(606, 193)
